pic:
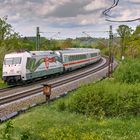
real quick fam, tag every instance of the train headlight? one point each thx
(19, 72)
(4, 73)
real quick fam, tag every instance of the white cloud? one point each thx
(135, 1)
(128, 14)
(95, 5)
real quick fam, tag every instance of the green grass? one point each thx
(2, 84)
(46, 122)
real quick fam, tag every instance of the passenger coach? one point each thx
(76, 58)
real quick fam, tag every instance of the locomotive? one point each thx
(25, 66)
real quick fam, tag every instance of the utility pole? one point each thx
(110, 64)
(37, 39)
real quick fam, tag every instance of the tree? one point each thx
(135, 43)
(50, 44)
(124, 32)
(67, 44)
(5, 28)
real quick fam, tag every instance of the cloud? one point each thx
(67, 9)
(96, 4)
(64, 14)
(134, 1)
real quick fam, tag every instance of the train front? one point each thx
(13, 68)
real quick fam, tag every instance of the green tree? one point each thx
(50, 44)
(124, 32)
(10, 41)
(67, 44)
(134, 43)
(5, 28)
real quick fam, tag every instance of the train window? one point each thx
(12, 61)
(17, 60)
(66, 59)
(8, 61)
(58, 58)
(69, 58)
(93, 54)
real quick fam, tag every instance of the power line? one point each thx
(115, 3)
(105, 12)
(48, 32)
(131, 20)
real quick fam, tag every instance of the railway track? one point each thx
(39, 81)
(33, 91)
(6, 88)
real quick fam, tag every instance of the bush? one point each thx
(106, 99)
(128, 71)
(7, 132)
(61, 105)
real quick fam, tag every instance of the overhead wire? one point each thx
(105, 12)
(115, 3)
(131, 20)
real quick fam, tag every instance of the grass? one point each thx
(46, 122)
(2, 84)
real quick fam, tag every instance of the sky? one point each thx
(69, 17)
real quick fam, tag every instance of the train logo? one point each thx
(33, 64)
(48, 60)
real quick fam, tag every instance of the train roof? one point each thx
(38, 53)
(42, 52)
(67, 51)
(79, 50)
(15, 54)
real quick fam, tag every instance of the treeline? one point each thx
(127, 42)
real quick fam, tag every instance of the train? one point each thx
(22, 66)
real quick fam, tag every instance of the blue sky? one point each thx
(68, 17)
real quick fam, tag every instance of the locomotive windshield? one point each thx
(12, 61)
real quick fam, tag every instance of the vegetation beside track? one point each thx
(114, 97)
(2, 84)
(128, 71)
(105, 99)
(46, 122)
(109, 109)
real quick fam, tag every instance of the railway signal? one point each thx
(47, 91)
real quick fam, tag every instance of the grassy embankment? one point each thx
(46, 122)
(108, 110)
(2, 84)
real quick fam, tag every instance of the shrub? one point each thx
(128, 71)
(106, 99)
(61, 105)
(25, 135)
(7, 133)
